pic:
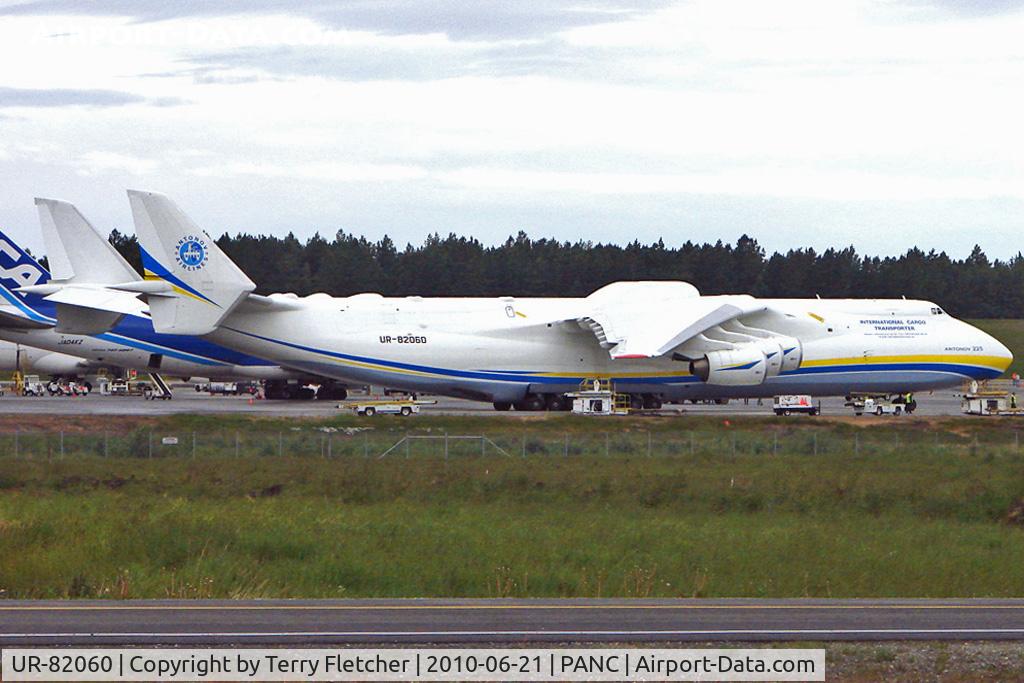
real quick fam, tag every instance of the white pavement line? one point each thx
(669, 632)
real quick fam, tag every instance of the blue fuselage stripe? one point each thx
(972, 371)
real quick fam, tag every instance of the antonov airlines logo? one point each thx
(191, 252)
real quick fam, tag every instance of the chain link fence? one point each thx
(368, 443)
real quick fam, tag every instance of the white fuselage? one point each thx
(132, 344)
(30, 359)
(500, 349)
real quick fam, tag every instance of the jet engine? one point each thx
(782, 354)
(743, 366)
(57, 364)
(792, 352)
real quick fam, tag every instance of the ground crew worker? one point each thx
(1013, 401)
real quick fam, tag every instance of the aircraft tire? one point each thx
(531, 403)
(555, 402)
(332, 392)
(502, 406)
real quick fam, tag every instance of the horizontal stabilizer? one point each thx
(12, 320)
(147, 287)
(98, 299)
(80, 320)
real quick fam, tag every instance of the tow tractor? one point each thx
(881, 404)
(386, 406)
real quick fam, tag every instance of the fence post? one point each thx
(775, 443)
(565, 451)
(330, 445)
(524, 444)
(151, 444)
(815, 443)
(446, 445)
(607, 444)
(62, 444)
(406, 445)
(691, 442)
(483, 446)
(856, 443)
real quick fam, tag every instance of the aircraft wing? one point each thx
(650, 319)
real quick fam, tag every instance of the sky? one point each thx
(884, 124)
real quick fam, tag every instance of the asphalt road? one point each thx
(186, 400)
(312, 622)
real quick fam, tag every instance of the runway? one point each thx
(313, 622)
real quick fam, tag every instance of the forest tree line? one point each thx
(973, 287)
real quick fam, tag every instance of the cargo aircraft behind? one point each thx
(657, 341)
(68, 312)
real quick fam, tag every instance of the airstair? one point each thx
(159, 388)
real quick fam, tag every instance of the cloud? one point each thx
(67, 97)
(798, 121)
(60, 97)
(484, 19)
(973, 7)
(388, 62)
(95, 163)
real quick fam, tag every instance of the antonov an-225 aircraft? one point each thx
(656, 341)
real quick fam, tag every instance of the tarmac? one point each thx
(311, 622)
(186, 400)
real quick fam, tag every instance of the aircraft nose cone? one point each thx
(993, 347)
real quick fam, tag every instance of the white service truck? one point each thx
(787, 404)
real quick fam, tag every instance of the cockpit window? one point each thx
(937, 311)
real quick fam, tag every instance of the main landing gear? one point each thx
(283, 390)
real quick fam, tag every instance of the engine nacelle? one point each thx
(773, 356)
(57, 364)
(743, 366)
(792, 352)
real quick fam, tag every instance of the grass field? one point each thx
(915, 508)
(1010, 331)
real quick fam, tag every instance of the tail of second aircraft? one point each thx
(18, 269)
(76, 252)
(197, 285)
